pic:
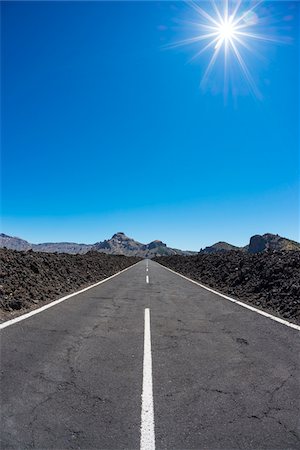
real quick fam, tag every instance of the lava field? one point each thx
(268, 281)
(30, 279)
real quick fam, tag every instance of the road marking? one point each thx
(62, 299)
(244, 305)
(147, 279)
(147, 269)
(147, 416)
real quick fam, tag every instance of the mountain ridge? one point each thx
(257, 244)
(120, 244)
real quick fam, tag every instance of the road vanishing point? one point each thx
(149, 360)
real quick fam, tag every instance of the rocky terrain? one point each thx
(267, 280)
(119, 244)
(29, 279)
(258, 243)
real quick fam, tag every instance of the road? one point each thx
(214, 375)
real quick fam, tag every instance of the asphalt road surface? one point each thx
(210, 373)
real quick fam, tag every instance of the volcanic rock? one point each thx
(30, 278)
(269, 280)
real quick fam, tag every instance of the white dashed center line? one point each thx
(147, 419)
(147, 279)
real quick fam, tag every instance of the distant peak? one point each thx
(156, 244)
(120, 234)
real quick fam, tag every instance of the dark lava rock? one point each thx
(30, 279)
(268, 280)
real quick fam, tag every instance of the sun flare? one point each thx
(230, 28)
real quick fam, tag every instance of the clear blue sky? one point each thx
(104, 130)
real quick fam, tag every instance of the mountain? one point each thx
(14, 243)
(219, 247)
(119, 244)
(62, 247)
(272, 242)
(258, 243)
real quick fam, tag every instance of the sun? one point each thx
(226, 32)
(230, 28)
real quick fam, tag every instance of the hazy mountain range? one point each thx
(120, 244)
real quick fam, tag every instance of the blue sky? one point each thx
(106, 130)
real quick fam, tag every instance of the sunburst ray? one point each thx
(230, 28)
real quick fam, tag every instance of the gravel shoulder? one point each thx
(268, 281)
(29, 279)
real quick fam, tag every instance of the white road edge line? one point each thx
(147, 279)
(244, 305)
(147, 415)
(56, 302)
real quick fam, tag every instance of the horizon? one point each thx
(106, 126)
(137, 240)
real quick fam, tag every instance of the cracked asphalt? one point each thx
(224, 377)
